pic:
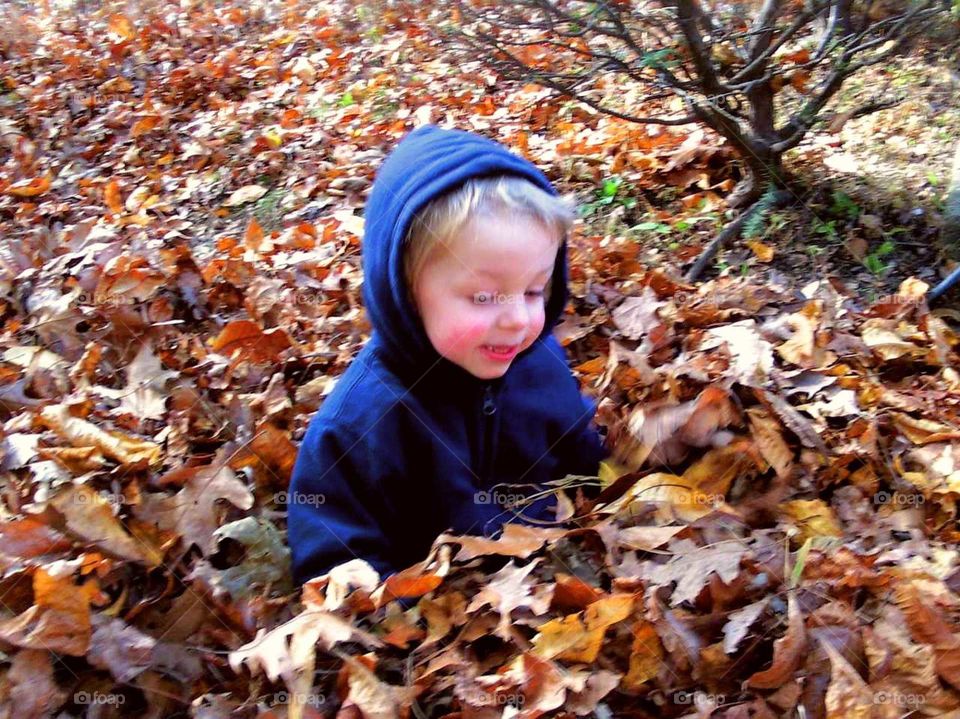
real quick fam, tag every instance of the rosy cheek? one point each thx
(461, 336)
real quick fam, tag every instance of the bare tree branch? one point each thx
(731, 79)
(687, 20)
(764, 28)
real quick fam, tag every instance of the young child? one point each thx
(461, 404)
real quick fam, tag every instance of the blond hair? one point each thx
(437, 222)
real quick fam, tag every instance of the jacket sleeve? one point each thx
(582, 447)
(331, 506)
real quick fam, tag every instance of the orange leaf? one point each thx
(788, 651)
(245, 339)
(399, 586)
(111, 197)
(799, 80)
(236, 16)
(144, 125)
(646, 656)
(486, 107)
(572, 592)
(29, 537)
(253, 235)
(289, 118)
(121, 26)
(799, 57)
(30, 188)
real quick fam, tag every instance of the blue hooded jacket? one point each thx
(409, 445)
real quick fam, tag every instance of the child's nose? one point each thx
(514, 315)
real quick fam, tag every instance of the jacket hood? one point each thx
(425, 164)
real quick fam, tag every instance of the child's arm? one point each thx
(582, 449)
(331, 506)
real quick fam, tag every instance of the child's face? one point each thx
(481, 296)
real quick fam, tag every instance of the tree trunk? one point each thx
(760, 171)
(950, 239)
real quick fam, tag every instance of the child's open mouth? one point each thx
(500, 352)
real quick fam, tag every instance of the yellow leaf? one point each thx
(559, 636)
(575, 640)
(610, 471)
(274, 138)
(763, 252)
(646, 656)
(814, 518)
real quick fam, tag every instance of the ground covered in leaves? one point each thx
(180, 196)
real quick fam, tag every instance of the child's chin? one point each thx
(487, 371)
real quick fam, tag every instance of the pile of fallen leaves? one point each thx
(784, 537)
(179, 289)
(784, 546)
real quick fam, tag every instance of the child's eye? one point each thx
(483, 298)
(535, 293)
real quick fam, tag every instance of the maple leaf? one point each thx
(192, 512)
(692, 566)
(510, 589)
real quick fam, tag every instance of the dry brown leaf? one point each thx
(91, 518)
(193, 512)
(794, 421)
(788, 651)
(752, 355)
(288, 652)
(375, 699)
(33, 691)
(647, 538)
(769, 438)
(646, 656)
(739, 623)
(247, 193)
(928, 626)
(517, 540)
(120, 648)
(848, 696)
(508, 590)
(879, 335)
(58, 621)
(663, 434)
(636, 317)
(128, 451)
(692, 566)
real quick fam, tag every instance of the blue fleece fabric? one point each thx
(408, 444)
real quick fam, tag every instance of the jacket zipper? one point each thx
(487, 435)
